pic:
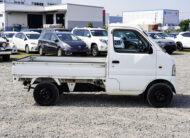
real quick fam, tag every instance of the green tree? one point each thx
(90, 25)
(184, 25)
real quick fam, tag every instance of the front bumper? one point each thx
(77, 50)
(5, 52)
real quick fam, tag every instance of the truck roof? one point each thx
(125, 25)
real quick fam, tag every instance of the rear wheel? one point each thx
(6, 57)
(27, 50)
(94, 51)
(46, 94)
(159, 95)
(179, 46)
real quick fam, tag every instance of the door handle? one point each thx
(115, 62)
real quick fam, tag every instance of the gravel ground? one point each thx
(93, 115)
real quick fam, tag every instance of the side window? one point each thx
(47, 36)
(18, 35)
(53, 37)
(80, 32)
(22, 36)
(75, 32)
(186, 35)
(128, 41)
(86, 33)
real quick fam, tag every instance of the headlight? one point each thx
(161, 43)
(104, 41)
(67, 46)
(174, 70)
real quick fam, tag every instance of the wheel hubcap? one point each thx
(160, 96)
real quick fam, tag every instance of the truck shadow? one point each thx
(91, 100)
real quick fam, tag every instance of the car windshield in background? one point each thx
(156, 36)
(99, 32)
(38, 31)
(33, 36)
(68, 37)
(9, 35)
(164, 35)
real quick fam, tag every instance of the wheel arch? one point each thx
(39, 80)
(160, 81)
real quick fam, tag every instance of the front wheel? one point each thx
(94, 51)
(46, 94)
(41, 52)
(6, 57)
(179, 46)
(159, 95)
(27, 50)
(60, 52)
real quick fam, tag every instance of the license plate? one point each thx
(1, 48)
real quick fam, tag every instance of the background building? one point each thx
(115, 19)
(26, 14)
(161, 18)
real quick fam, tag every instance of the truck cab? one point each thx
(135, 66)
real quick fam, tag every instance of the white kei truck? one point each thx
(139, 67)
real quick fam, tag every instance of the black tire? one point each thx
(41, 52)
(179, 46)
(170, 52)
(27, 50)
(46, 94)
(94, 51)
(159, 95)
(6, 57)
(60, 52)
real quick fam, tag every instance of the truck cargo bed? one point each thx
(60, 67)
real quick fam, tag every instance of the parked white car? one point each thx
(183, 40)
(26, 41)
(139, 67)
(9, 37)
(95, 38)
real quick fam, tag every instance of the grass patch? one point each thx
(183, 51)
(22, 55)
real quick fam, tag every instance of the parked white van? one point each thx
(95, 38)
(140, 67)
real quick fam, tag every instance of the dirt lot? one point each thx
(94, 115)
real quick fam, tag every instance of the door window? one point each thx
(186, 35)
(53, 37)
(128, 41)
(47, 36)
(22, 36)
(86, 33)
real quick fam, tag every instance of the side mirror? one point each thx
(150, 50)
(25, 39)
(56, 41)
(88, 35)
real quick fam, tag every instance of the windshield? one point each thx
(99, 32)
(9, 35)
(38, 31)
(68, 37)
(164, 35)
(156, 36)
(33, 36)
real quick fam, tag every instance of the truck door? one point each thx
(133, 62)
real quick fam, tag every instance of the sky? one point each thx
(116, 7)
